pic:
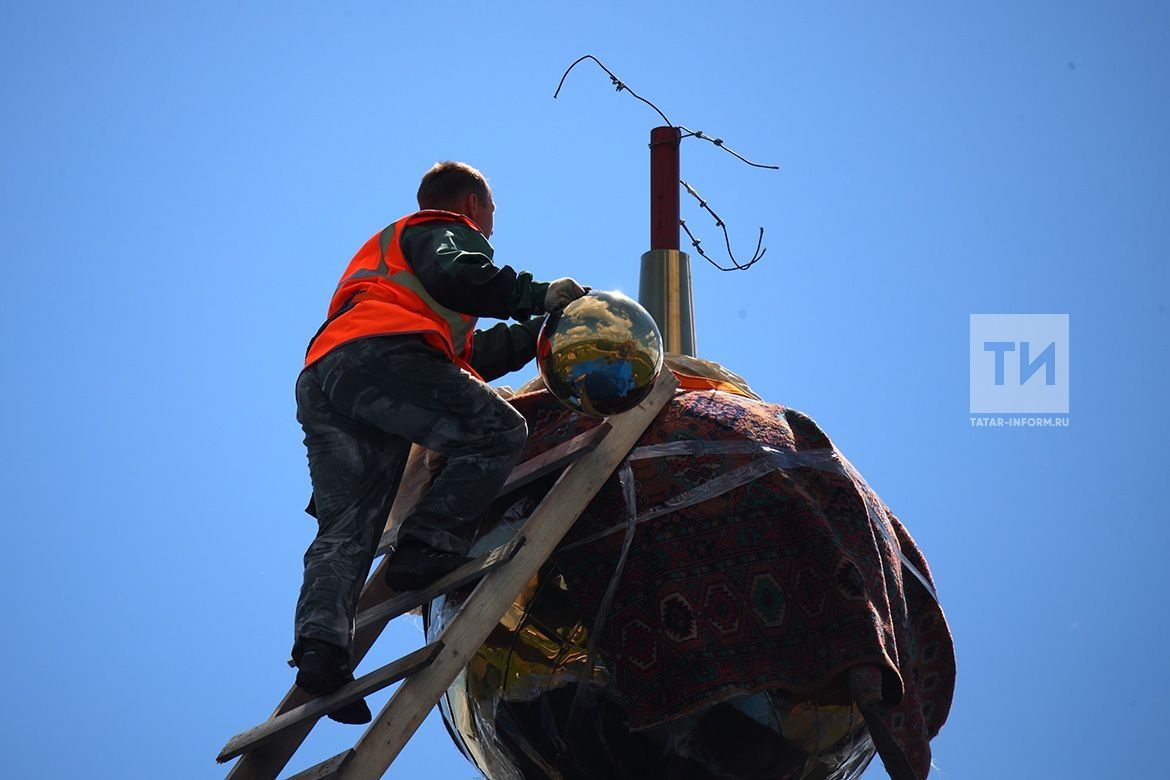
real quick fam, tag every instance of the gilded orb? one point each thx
(600, 354)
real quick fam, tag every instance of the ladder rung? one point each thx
(317, 708)
(555, 458)
(534, 468)
(401, 603)
(324, 770)
(405, 602)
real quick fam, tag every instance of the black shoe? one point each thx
(323, 668)
(414, 566)
(352, 714)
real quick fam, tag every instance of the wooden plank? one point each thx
(556, 458)
(548, 524)
(314, 709)
(405, 602)
(534, 468)
(326, 769)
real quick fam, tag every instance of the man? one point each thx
(398, 361)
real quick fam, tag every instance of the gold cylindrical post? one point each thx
(665, 291)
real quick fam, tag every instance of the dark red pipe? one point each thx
(664, 143)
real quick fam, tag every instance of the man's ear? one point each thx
(471, 203)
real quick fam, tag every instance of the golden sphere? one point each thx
(600, 354)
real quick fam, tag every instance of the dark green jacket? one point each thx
(454, 264)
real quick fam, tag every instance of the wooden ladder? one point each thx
(428, 672)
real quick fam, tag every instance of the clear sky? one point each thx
(180, 186)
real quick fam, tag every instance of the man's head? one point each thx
(456, 186)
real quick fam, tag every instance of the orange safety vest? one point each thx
(379, 295)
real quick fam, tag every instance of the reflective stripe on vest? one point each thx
(460, 325)
(385, 297)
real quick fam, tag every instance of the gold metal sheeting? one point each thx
(664, 288)
(541, 643)
(821, 729)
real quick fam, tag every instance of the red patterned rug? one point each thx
(785, 582)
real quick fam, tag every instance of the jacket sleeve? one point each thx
(504, 348)
(454, 264)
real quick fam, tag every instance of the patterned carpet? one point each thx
(784, 582)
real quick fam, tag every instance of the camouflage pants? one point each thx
(361, 406)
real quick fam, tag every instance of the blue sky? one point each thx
(181, 185)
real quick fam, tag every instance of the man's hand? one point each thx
(561, 293)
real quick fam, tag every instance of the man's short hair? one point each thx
(447, 183)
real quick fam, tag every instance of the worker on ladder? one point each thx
(398, 360)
